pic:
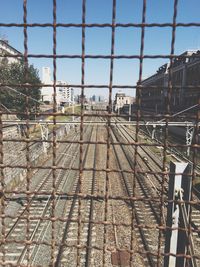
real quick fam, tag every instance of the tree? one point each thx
(17, 74)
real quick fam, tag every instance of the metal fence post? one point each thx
(180, 183)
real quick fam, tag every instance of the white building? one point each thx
(47, 92)
(46, 75)
(6, 49)
(121, 99)
(64, 94)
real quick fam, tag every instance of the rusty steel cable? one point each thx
(138, 99)
(166, 129)
(108, 130)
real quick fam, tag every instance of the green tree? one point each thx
(17, 74)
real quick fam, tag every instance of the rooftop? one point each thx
(6, 44)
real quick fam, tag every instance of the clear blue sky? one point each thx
(98, 40)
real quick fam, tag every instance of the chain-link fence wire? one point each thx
(139, 114)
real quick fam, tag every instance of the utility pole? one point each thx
(129, 118)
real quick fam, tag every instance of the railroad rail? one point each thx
(140, 188)
(143, 188)
(37, 207)
(155, 183)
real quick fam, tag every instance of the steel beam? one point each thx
(131, 123)
(178, 241)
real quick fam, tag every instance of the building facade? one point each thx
(174, 86)
(47, 92)
(153, 92)
(120, 100)
(64, 94)
(7, 50)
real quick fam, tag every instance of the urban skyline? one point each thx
(157, 40)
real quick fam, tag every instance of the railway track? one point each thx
(145, 213)
(35, 212)
(76, 233)
(178, 155)
(71, 234)
(144, 182)
(154, 164)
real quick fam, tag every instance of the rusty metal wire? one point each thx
(137, 171)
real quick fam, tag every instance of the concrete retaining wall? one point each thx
(15, 155)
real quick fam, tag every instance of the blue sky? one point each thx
(98, 40)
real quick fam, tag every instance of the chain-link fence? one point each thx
(113, 183)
